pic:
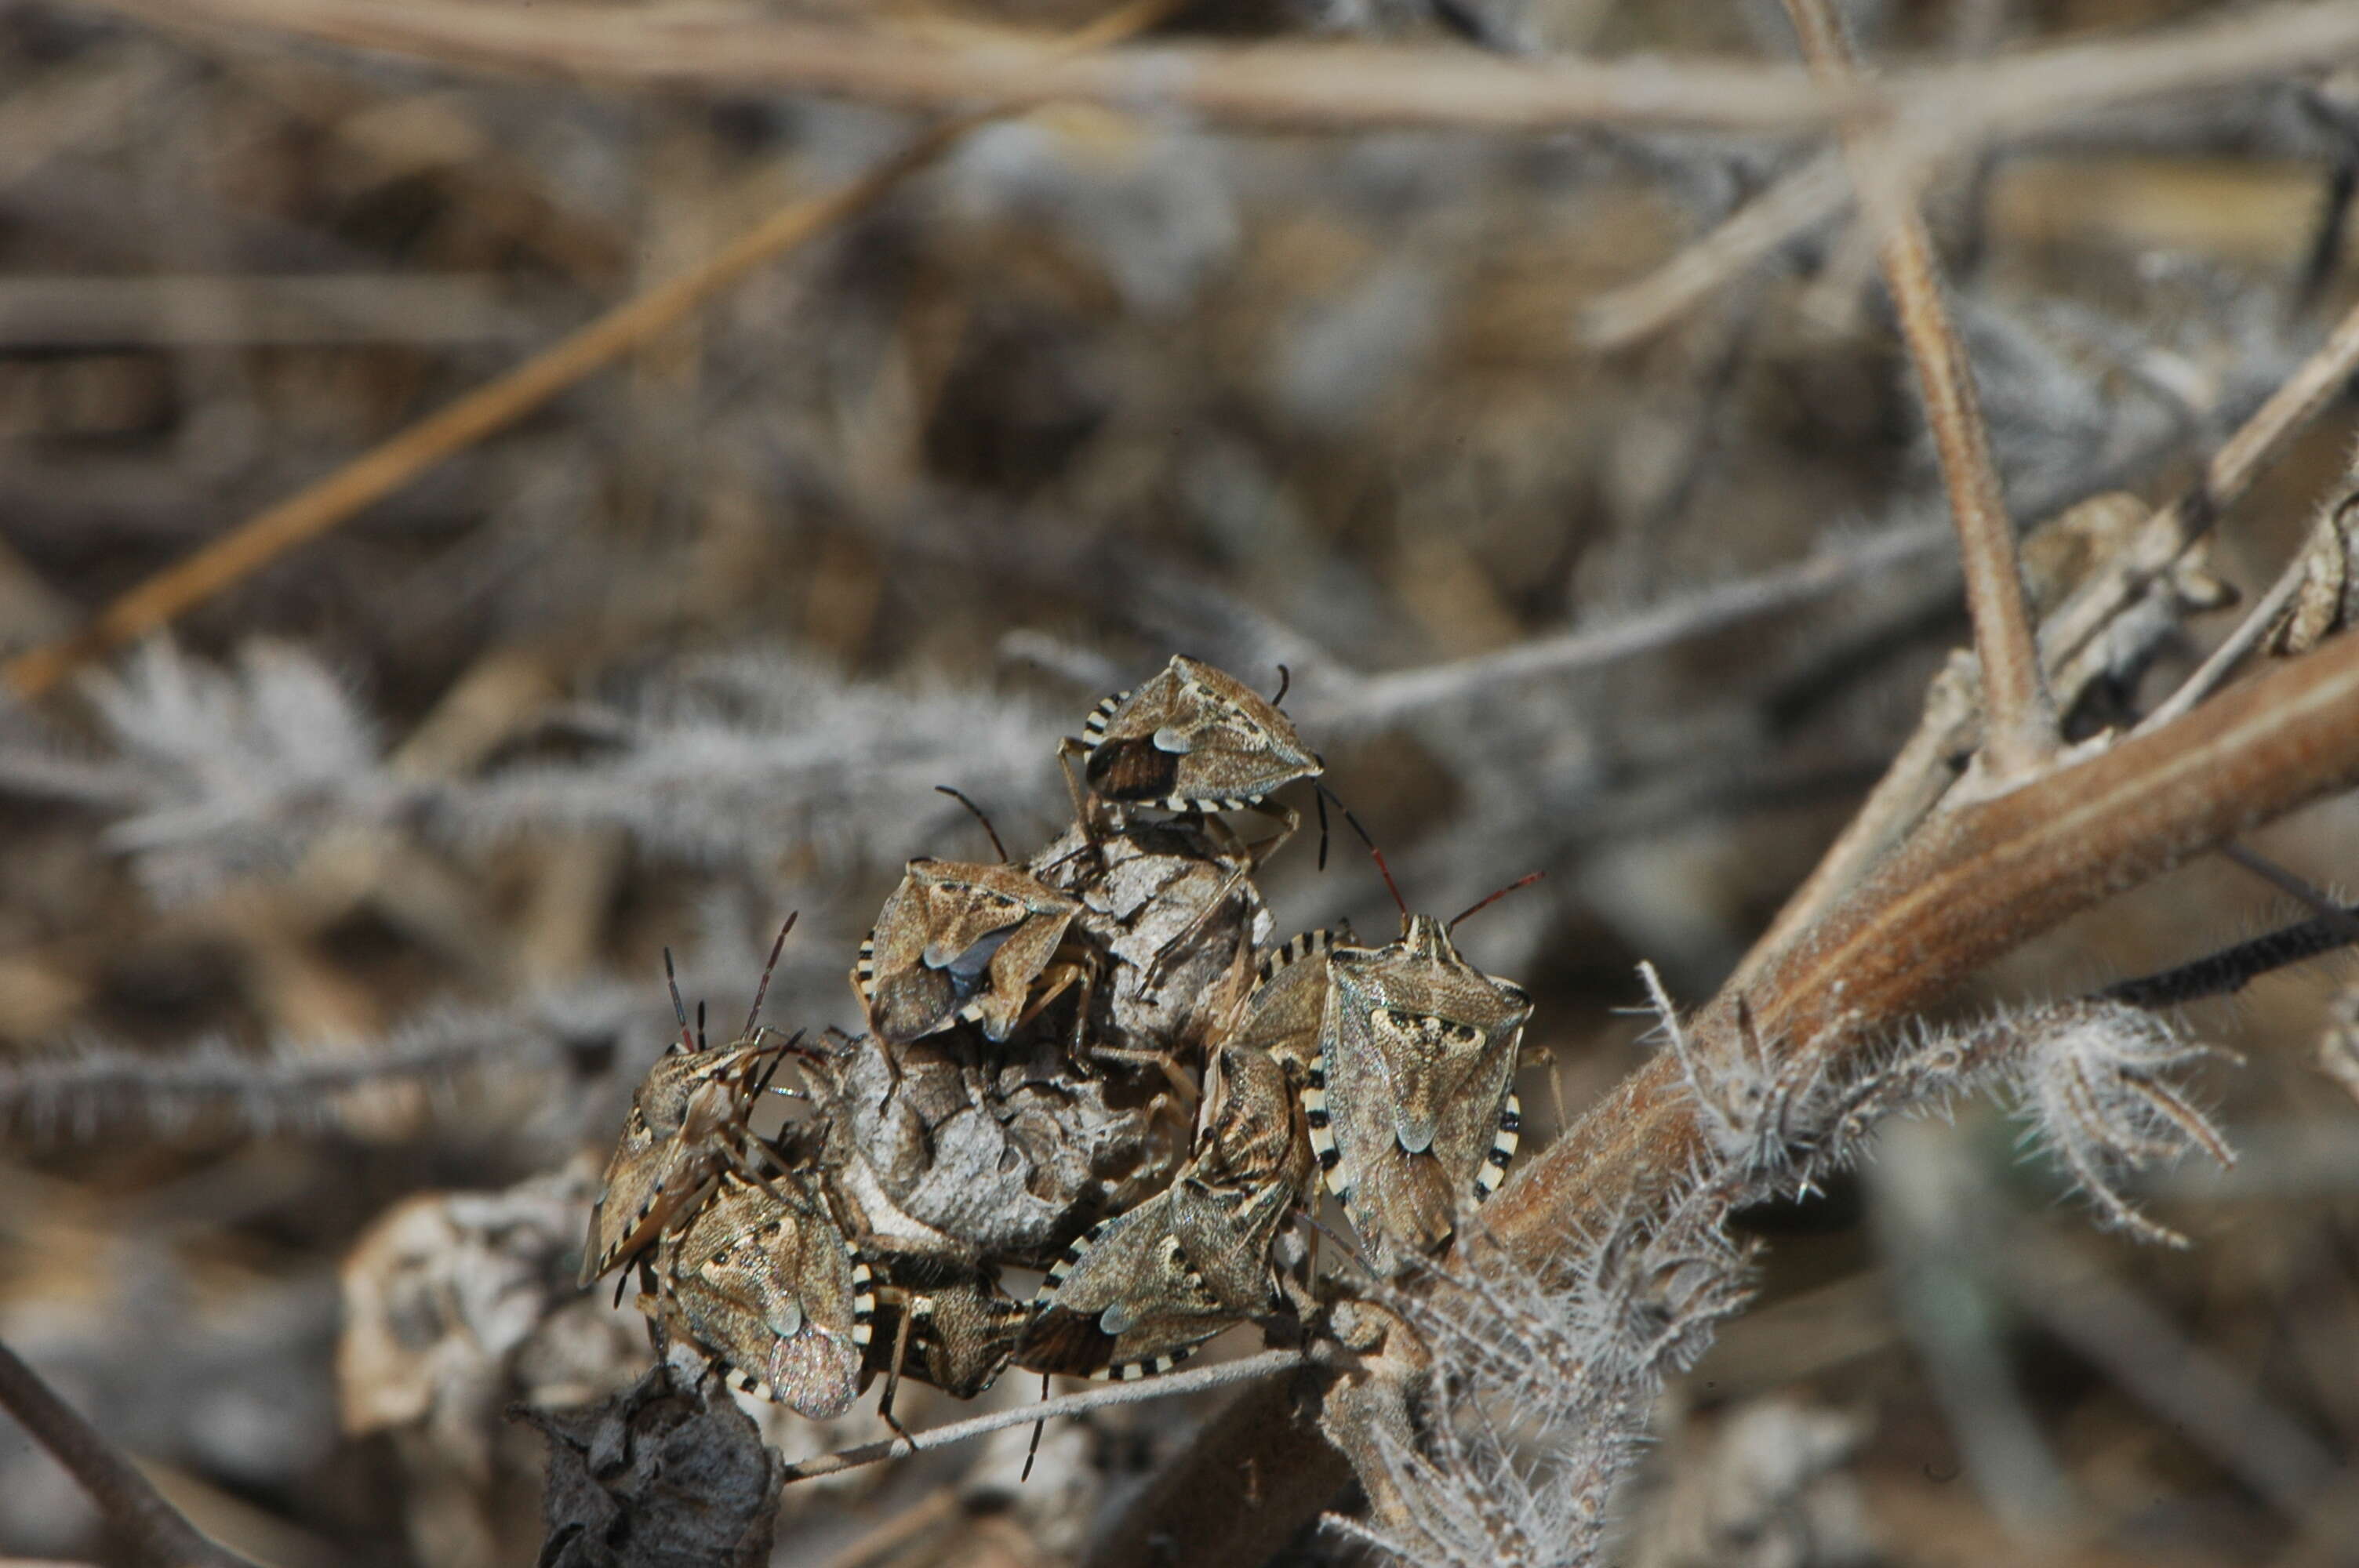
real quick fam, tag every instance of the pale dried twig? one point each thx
(1304, 86)
(2019, 718)
(1219, 1375)
(1808, 194)
(322, 507)
(158, 1534)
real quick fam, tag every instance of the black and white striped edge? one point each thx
(1310, 945)
(1094, 728)
(1322, 1133)
(1074, 1250)
(1502, 1149)
(1132, 1371)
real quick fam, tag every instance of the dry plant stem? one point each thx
(1920, 773)
(1324, 86)
(1219, 1375)
(319, 507)
(2294, 887)
(156, 1532)
(2240, 461)
(1973, 884)
(2020, 723)
(1800, 198)
(1376, 699)
(2215, 669)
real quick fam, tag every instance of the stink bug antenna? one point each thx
(979, 817)
(789, 1046)
(763, 990)
(700, 1023)
(1284, 681)
(1321, 793)
(1305, 1217)
(1522, 882)
(678, 1009)
(1390, 886)
(1032, 1451)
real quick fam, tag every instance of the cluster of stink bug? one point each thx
(1092, 1064)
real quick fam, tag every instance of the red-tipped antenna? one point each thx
(961, 797)
(763, 990)
(678, 1009)
(1390, 885)
(1522, 882)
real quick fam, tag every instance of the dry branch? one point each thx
(1298, 86)
(2019, 720)
(319, 507)
(156, 1534)
(1973, 885)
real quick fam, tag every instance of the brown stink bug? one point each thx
(1287, 1006)
(686, 1124)
(1410, 1101)
(761, 1281)
(1139, 1293)
(964, 942)
(946, 1322)
(1194, 738)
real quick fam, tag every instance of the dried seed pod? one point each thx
(2328, 598)
(963, 942)
(1136, 1294)
(962, 1146)
(686, 1124)
(763, 1282)
(1171, 911)
(1410, 1103)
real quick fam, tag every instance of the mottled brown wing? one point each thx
(770, 1289)
(1287, 1005)
(1123, 1303)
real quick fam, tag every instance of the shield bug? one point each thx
(1139, 1293)
(1194, 738)
(762, 1281)
(946, 1322)
(964, 942)
(686, 1125)
(1287, 1005)
(1410, 1101)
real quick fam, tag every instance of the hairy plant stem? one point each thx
(1973, 885)
(2019, 718)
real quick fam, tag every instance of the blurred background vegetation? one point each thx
(348, 893)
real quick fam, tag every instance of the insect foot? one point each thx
(762, 1283)
(958, 942)
(1410, 1101)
